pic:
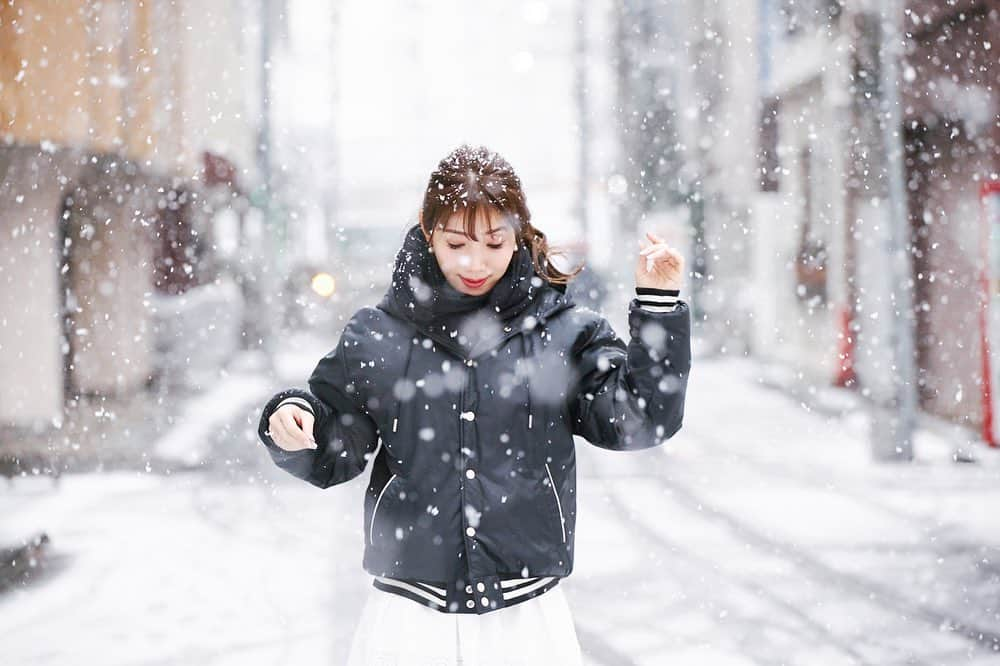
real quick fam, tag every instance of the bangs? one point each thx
(496, 217)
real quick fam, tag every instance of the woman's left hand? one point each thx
(659, 265)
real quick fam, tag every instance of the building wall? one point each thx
(31, 341)
(952, 121)
(798, 212)
(74, 280)
(950, 116)
(107, 277)
(105, 107)
(78, 74)
(158, 82)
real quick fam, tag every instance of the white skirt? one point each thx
(396, 631)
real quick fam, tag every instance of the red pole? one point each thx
(988, 189)
(845, 350)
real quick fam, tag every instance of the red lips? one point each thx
(473, 285)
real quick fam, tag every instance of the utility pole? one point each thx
(331, 192)
(892, 422)
(583, 173)
(264, 126)
(270, 290)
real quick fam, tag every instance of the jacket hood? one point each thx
(467, 324)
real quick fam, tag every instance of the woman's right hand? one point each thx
(291, 428)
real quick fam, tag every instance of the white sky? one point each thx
(415, 79)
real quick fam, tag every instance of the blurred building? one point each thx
(823, 208)
(951, 131)
(756, 126)
(798, 256)
(128, 139)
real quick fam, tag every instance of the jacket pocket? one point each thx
(555, 494)
(371, 529)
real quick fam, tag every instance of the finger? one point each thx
(274, 426)
(662, 258)
(303, 430)
(664, 262)
(655, 238)
(279, 435)
(652, 259)
(307, 426)
(658, 255)
(295, 427)
(295, 432)
(290, 441)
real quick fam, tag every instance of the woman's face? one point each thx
(473, 266)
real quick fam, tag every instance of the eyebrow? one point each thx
(489, 232)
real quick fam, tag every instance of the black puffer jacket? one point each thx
(475, 479)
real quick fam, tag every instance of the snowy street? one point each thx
(415, 225)
(779, 542)
(775, 540)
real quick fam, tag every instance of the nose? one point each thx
(474, 263)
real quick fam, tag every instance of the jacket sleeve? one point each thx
(345, 434)
(631, 397)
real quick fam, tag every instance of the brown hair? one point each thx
(479, 179)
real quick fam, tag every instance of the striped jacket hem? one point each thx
(435, 595)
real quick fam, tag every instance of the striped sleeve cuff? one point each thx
(657, 300)
(298, 402)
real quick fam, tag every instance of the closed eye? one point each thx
(494, 247)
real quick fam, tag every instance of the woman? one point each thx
(474, 372)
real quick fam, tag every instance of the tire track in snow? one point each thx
(871, 592)
(697, 565)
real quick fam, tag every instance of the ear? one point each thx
(420, 223)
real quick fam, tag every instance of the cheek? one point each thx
(500, 264)
(452, 261)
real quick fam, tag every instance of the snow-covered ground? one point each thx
(761, 534)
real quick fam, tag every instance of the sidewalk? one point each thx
(212, 555)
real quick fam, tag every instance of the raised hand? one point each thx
(658, 266)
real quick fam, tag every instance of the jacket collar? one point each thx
(550, 302)
(468, 326)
